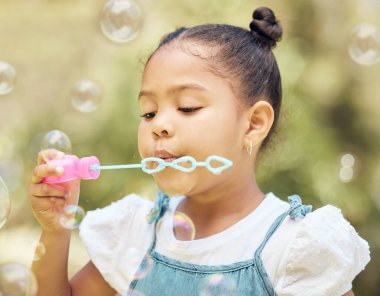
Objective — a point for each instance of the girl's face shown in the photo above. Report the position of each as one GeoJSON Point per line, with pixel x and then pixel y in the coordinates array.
{"type": "Point", "coordinates": [188, 111]}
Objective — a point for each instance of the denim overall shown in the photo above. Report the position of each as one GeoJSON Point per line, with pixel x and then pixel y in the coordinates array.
{"type": "Point", "coordinates": [170, 277]}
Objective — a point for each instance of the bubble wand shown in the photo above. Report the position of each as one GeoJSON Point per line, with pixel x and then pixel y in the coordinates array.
{"type": "Point", "coordinates": [89, 167]}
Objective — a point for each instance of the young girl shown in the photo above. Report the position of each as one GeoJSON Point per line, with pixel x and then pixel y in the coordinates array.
{"type": "Point", "coordinates": [206, 90]}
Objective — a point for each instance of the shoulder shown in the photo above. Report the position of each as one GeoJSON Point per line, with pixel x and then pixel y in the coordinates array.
{"type": "Point", "coordinates": [109, 232]}
{"type": "Point", "coordinates": [323, 251]}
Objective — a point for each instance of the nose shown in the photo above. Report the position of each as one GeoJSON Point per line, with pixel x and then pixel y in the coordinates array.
{"type": "Point", "coordinates": [162, 127]}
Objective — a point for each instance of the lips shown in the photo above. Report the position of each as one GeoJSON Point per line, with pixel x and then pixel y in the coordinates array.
{"type": "Point", "coordinates": [164, 154]}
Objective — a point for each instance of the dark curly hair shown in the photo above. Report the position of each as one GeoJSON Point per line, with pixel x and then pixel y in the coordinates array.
{"type": "Point", "coordinates": [244, 55]}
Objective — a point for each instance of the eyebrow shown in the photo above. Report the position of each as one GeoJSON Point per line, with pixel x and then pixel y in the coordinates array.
{"type": "Point", "coordinates": [177, 88]}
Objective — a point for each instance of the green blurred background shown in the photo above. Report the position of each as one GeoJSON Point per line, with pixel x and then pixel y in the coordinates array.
{"type": "Point", "coordinates": [331, 106]}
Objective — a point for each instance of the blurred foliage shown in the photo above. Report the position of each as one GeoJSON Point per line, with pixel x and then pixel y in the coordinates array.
{"type": "Point", "coordinates": [331, 104]}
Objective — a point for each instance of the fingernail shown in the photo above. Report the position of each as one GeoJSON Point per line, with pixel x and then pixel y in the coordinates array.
{"type": "Point", "coordinates": [68, 194]}
{"type": "Point", "coordinates": [59, 169]}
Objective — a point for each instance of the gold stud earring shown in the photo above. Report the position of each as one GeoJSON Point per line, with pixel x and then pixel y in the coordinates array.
{"type": "Point", "coordinates": [249, 148]}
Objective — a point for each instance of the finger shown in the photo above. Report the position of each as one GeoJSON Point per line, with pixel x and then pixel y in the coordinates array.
{"type": "Point", "coordinates": [45, 204]}
{"type": "Point", "coordinates": [73, 189]}
{"type": "Point", "coordinates": [44, 170]}
{"type": "Point", "coordinates": [46, 190]}
{"type": "Point", "coordinates": [45, 156]}
{"type": "Point", "coordinates": [58, 204]}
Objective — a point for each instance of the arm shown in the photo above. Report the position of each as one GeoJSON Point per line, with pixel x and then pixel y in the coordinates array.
{"type": "Point", "coordinates": [89, 281]}
{"type": "Point", "coordinates": [51, 269]}
{"type": "Point", "coordinates": [51, 272]}
{"type": "Point", "coordinates": [48, 202]}
{"type": "Point", "coordinates": [349, 293]}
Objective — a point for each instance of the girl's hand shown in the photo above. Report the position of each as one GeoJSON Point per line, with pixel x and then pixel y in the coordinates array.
{"type": "Point", "coordinates": [49, 200]}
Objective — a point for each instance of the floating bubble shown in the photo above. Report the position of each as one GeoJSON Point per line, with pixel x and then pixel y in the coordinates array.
{"type": "Point", "coordinates": [7, 78]}
{"type": "Point", "coordinates": [16, 279]}
{"type": "Point", "coordinates": [57, 140]}
{"type": "Point", "coordinates": [183, 226]}
{"type": "Point", "coordinates": [346, 174]}
{"type": "Point", "coordinates": [364, 48]}
{"type": "Point", "coordinates": [39, 252]}
{"type": "Point", "coordinates": [145, 268]}
{"type": "Point", "coordinates": [85, 96]}
{"type": "Point", "coordinates": [347, 160]}
{"type": "Point", "coordinates": [135, 263]}
{"type": "Point", "coordinates": [5, 203]}
{"type": "Point", "coordinates": [121, 20]}
{"type": "Point", "coordinates": [71, 217]}
{"type": "Point", "coordinates": [218, 285]}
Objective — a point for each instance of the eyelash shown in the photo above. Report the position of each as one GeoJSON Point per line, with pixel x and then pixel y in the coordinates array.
{"type": "Point", "coordinates": [150, 115]}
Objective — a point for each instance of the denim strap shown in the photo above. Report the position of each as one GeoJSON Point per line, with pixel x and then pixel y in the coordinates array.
{"type": "Point", "coordinates": [296, 211]}
{"type": "Point", "coordinates": [155, 214]}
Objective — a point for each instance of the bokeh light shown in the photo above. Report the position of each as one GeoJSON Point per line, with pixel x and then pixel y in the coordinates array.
{"type": "Point", "coordinates": [218, 285]}
{"type": "Point", "coordinates": [347, 160]}
{"type": "Point", "coordinates": [7, 78]}
{"type": "Point", "coordinates": [85, 96]}
{"type": "Point", "coordinates": [346, 172]}
{"type": "Point", "coordinates": [364, 48]}
{"type": "Point", "coordinates": [39, 252]}
{"type": "Point", "coordinates": [71, 216]}
{"type": "Point", "coordinates": [183, 226]}
{"type": "Point", "coordinates": [17, 280]}
{"type": "Point", "coordinates": [57, 140]}
{"type": "Point", "coordinates": [121, 20]}
{"type": "Point", "coordinates": [5, 203]}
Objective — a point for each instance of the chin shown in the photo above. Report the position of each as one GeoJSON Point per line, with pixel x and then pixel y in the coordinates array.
{"type": "Point", "coordinates": [174, 191]}
{"type": "Point", "coordinates": [174, 188]}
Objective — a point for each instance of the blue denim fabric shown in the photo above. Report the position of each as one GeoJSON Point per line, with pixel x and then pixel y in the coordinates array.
{"type": "Point", "coordinates": [175, 278]}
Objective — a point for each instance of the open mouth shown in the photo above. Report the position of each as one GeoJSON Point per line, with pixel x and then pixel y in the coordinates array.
{"type": "Point", "coordinates": [169, 159]}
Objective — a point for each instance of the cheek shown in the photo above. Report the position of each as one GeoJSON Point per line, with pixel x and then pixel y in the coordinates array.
{"type": "Point", "coordinates": [142, 141]}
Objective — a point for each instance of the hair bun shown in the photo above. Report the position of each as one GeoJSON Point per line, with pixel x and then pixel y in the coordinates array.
{"type": "Point", "coordinates": [265, 26]}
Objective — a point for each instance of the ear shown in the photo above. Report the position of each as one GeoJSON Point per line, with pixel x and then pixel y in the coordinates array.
{"type": "Point", "coordinates": [260, 119]}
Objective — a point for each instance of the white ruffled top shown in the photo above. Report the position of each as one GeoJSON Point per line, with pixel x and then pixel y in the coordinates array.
{"type": "Point", "coordinates": [319, 255]}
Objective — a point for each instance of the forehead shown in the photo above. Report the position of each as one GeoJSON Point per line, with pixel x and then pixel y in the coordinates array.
{"type": "Point", "coordinates": [177, 63]}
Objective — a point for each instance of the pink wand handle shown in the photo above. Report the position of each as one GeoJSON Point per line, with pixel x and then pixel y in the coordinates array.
{"type": "Point", "coordinates": [74, 168]}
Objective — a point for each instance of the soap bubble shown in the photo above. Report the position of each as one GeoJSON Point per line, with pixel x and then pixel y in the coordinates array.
{"type": "Point", "coordinates": [85, 96]}
{"type": "Point", "coordinates": [121, 20]}
{"type": "Point", "coordinates": [7, 78]}
{"type": "Point", "coordinates": [5, 203]}
{"type": "Point", "coordinates": [57, 140]}
{"type": "Point", "coordinates": [364, 48]}
{"type": "Point", "coordinates": [183, 226]}
{"type": "Point", "coordinates": [16, 279]}
{"type": "Point", "coordinates": [144, 269]}
{"type": "Point", "coordinates": [218, 285]}
{"type": "Point", "coordinates": [71, 217]}
{"type": "Point", "coordinates": [130, 263]}
{"type": "Point", "coordinates": [39, 252]}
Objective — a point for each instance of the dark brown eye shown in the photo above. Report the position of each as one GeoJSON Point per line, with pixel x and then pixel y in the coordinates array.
{"type": "Point", "coordinates": [148, 115]}
{"type": "Point", "coordinates": [189, 109]}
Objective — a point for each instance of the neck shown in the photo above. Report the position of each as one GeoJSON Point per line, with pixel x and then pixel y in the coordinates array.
{"type": "Point", "coordinates": [219, 208]}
